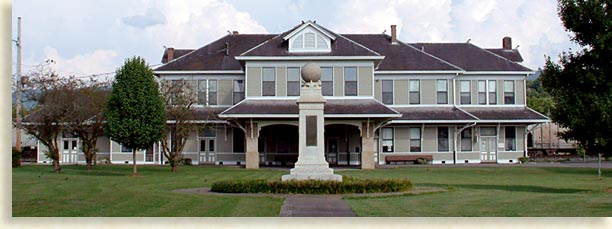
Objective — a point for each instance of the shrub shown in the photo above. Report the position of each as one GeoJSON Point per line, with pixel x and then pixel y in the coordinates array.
{"type": "Point", "coordinates": [186, 161]}
{"type": "Point", "coordinates": [523, 159]}
{"type": "Point", "coordinates": [349, 185]}
{"type": "Point", "coordinates": [421, 161]}
{"type": "Point", "coordinates": [16, 158]}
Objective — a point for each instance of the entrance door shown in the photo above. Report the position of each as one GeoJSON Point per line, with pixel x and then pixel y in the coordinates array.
{"type": "Point", "coordinates": [207, 151]}
{"type": "Point", "coordinates": [69, 150]}
{"type": "Point", "coordinates": [332, 151]}
{"type": "Point", "coordinates": [488, 152]}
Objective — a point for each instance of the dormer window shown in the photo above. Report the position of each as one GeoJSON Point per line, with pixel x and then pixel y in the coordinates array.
{"type": "Point", "coordinates": [309, 38]}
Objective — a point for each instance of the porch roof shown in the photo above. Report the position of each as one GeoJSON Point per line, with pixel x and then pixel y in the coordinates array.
{"type": "Point", "coordinates": [507, 114]}
{"type": "Point", "coordinates": [288, 108]}
{"type": "Point", "coordinates": [433, 114]}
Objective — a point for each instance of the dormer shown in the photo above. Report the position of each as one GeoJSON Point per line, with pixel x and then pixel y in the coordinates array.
{"type": "Point", "coordinates": [309, 38]}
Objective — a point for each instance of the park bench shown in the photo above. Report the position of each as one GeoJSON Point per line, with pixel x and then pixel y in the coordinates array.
{"type": "Point", "coordinates": [406, 158]}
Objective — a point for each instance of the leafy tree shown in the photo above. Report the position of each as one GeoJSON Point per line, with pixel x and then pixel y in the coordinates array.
{"type": "Point", "coordinates": [87, 116]}
{"type": "Point", "coordinates": [50, 95]}
{"type": "Point", "coordinates": [537, 98]}
{"type": "Point", "coordinates": [180, 98]}
{"type": "Point", "coordinates": [581, 82]}
{"type": "Point", "coordinates": [135, 115]}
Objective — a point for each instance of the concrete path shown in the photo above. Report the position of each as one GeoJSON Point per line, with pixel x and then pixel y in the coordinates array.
{"type": "Point", "coordinates": [316, 206]}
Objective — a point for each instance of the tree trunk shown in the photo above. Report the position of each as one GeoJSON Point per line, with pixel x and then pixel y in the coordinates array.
{"type": "Point", "coordinates": [599, 165]}
{"type": "Point", "coordinates": [56, 164]}
{"type": "Point", "coordinates": [174, 168]}
{"type": "Point", "coordinates": [134, 161]}
{"type": "Point", "coordinates": [88, 160]}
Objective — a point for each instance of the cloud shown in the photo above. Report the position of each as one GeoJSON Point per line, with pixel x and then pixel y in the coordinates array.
{"type": "Point", "coordinates": [96, 62]}
{"type": "Point", "coordinates": [150, 18]}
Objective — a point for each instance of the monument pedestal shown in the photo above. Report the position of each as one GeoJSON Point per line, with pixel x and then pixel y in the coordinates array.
{"type": "Point", "coordinates": [311, 164]}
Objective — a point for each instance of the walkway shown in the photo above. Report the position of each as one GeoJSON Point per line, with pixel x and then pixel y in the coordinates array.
{"type": "Point", "coordinates": [316, 206]}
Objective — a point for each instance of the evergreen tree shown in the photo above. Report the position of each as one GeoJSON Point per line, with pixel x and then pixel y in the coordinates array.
{"type": "Point", "coordinates": [135, 116]}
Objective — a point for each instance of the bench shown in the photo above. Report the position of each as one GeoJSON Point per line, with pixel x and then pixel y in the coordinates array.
{"type": "Point", "coordinates": [406, 158]}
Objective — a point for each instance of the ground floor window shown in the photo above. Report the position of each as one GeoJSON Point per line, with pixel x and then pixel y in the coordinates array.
{"type": "Point", "coordinates": [466, 140]}
{"type": "Point", "coordinates": [126, 149]}
{"type": "Point", "coordinates": [415, 139]}
{"type": "Point", "coordinates": [510, 138]}
{"type": "Point", "coordinates": [443, 139]}
{"type": "Point", "coordinates": [239, 140]}
{"type": "Point", "coordinates": [387, 139]}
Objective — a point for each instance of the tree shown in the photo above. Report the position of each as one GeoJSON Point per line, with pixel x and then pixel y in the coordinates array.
{"type": "Point", "coordinates": [581, 82]}
{"type": "Point", "coordinates": [537, 98]}
{"type": "Point", "coordinates": [87, 116]}
{"type": "Point", "coordinates": [50, 95]}
{"type": "Point", "coordinates": [135, 115]}
{"type": "Point", "coordinates": [179, 98]}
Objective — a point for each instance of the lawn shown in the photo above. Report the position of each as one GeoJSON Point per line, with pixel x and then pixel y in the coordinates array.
{"type": "Point", "coordinates": [483, 191]}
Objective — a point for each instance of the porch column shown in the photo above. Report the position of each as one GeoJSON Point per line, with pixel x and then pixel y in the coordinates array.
{"type": "Point", "coordinates": [367, 145]}
{"type": "Point", "coordinates": [252, 146]}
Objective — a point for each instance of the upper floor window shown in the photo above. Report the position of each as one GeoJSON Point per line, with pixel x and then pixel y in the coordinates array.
{"type": "Point", "coordinates": [309, 42]}
{"type": "Point", "coordinates": [269, 82]}
{"type": "Point", "coordinates": [350, 81]}
{"type": "Point", "coordinates": [207, 92]}
{"type": "Point", "coordinates": [465, 92]}
{"type": "Point", "coordinates": [442, 88]}
{"type": "Point", "coordinates": [327, 81]}
{"type": "Point", "coordinates": [387, 91]}
{"type": "Point", "coordinates": [238, 91]}
{"type": "Point", "coordinates": [509, 92]}
{"type": "Point", "coordinates": [482, 92]}
{"type": "Point", "coordinates": [293, 81]}
{"type": "Point", "coordinates": [492, 92]}
{"type": "Point", "coordinates": [415, 92]}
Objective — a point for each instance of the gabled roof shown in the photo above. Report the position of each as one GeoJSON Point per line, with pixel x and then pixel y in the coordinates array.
{"type": "Point", "coordinates": [213, 56]}
{"type": "Point", "coordinates": [309, 24]}
{"type": "Point", "coordinates": [510, 54]}
{"type": "Point", "coordinates": [470, 57]}
{"type": "Point", "coordinates": [342, 46]}
{"type": "Point", "coordinates": [400, 56]}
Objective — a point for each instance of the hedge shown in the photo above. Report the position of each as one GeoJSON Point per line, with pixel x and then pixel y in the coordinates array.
{"type": "Point", "coordinates": [349, 185]}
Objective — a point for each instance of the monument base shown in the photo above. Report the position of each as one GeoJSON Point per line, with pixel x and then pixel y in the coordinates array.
{"type": "Point", "coordinates": [312, 172]}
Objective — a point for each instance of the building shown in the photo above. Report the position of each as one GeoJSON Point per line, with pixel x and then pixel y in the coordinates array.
{"type": "Point", "coordinates": [455, 102]}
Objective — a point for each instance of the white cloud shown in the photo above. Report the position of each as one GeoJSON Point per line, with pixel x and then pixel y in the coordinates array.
{"type": "Point", "coordinates": [96, 62]}
{"type": "Point", "coordinates": [151, 17]}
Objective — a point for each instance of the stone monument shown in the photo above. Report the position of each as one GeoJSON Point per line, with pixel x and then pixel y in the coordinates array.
{"type": "Point", "coordinates": [311, 162]}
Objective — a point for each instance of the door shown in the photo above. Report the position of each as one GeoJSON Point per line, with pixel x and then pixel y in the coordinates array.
{"type": "Point", "coordinates": [488, 146]}
{"type": "Point", "coordinates": [332, 151]}
{"type": "Point", "coordinates": [207, 151]}
{"type": "Point", "coordinates": [69, 150]}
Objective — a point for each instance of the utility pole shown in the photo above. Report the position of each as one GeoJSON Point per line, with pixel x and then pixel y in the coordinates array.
{"type": "Point", "coordinates": [18, 95]}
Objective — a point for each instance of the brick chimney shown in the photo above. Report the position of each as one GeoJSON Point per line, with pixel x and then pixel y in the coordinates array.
{"type": "Point", "coordinates": [234, 32]}
{"type": "Point", "coordinates": [507, 43]}
{"type": "Point", "coordinates": [169, 54]}
{"type": "Point", "coordinates": [393, 34]}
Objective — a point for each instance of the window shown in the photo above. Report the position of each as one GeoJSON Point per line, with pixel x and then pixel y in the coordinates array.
{"type": "Point", "coordinates": [239, 140]}
{"type": "Point", "coordinates": [207, 92]}
{"type": "Point", "coordinates": [387, 139]}
{"type": "Point", "coordinates": [482, 92]}
{"type": "Point", "coordinates": [350, 81]}
{"type": "Point", "coordinates": [508, 92]}
{"type": "Point", "coordinates": [176, 87]}
{"type": "Point", "coordinates": [293, 81]}
{"type": "Point", "coordinates": [415, 139]}
{"type": "Point", "coordinates": [387, 91]}
{"type": "Point", "coordinates": [269, 82]}
{"type": "Point", "coordinates": [126, 149]}
{"type": "Point", "coordinates": [212, 92]}
{"type": "Point", "coordinates": [510, 138]}
{"type": "Point", "coordinates": [238, 91]}
{"type": "Point", "coordinates": [488, 131]}
{"type": "Point", "coordinates": [492, 92]}
{"type": "Point", "coordinates": [442, 88]}
{"type": "Point", "coordinates": [466, 140]}
{"type": "Point", "coordinates": [311, 42]}
{"type": "Point", "coordinates": [66, 146]}
{"type": "Point", "coordinates": [465, 92]}
{"type": "Point", "coordinates": [443, 139]}
{"type": "Point", "coordinates": [327, 81]}
{"type": "Point", "coordinates": [208, 132]}
{"type": "Point", "coordinates": [415, 92]}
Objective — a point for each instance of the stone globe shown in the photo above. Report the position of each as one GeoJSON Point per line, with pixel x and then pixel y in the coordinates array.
{"type": "Point", "coordinates": [311, 72]}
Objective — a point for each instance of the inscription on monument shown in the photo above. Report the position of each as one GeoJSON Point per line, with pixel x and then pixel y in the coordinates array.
{"type": "Point", "coordinates": [311, 130]}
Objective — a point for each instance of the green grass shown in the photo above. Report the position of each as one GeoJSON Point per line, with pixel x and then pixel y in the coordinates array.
{"type": "Point", "coordinates": [487, 191]}
{"type": "Point", "coordinates": [505, 191]}
{"type": "Point", "coordinates": [109, 191]}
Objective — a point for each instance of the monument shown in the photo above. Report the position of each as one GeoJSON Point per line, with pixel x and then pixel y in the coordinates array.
{"type": "Point", "coordinates": [311, 162]}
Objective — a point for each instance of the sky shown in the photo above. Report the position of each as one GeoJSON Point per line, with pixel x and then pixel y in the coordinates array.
{"type": "Point", "coordinates": [94, 37]}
